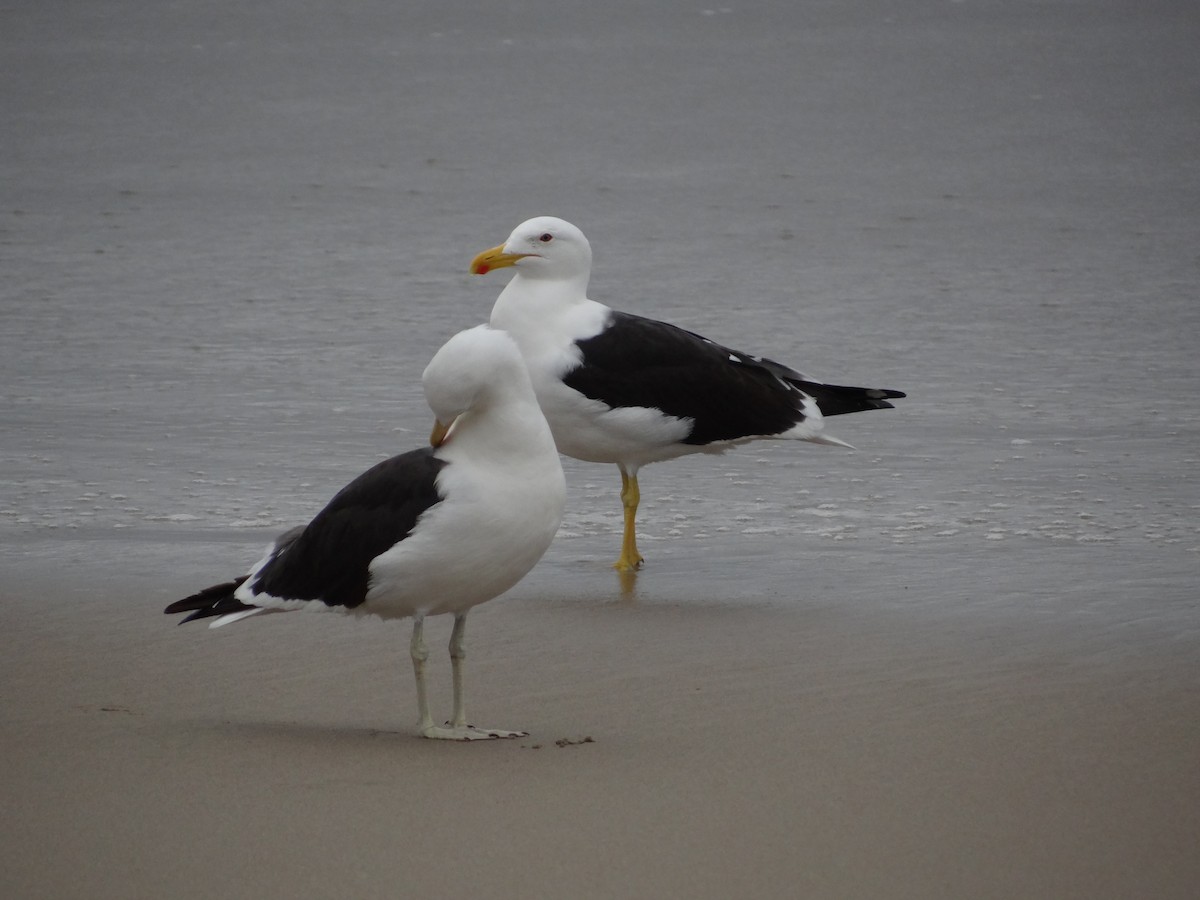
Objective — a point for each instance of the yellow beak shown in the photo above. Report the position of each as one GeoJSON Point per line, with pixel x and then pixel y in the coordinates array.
{"type": "Point", "coordinates": [440, 433]}
{"type": "Point", "coordinates": [494, 258]}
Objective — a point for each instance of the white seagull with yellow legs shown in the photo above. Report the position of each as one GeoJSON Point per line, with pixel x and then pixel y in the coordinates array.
{"type": "Point", "coordinates": [432, 531]}
{"type": "Point", "coordinates": [620, 388]}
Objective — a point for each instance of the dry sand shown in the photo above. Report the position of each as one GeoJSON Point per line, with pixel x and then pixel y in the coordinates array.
{"type": "Point", "coordinates": [961, 662]}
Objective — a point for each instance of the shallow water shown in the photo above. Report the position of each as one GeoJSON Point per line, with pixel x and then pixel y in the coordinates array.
{"type": "Point", "coordinates": [217, 304]}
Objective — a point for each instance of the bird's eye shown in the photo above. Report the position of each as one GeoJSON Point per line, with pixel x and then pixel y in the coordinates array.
{"type": "Point", "coordinates": [546, 238]}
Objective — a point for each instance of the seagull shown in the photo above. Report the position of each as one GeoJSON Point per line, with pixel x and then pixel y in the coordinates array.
{"type": "Point", "coordinates": [620, 388]}
{"type": "Point", "coordinates": [436, 530]}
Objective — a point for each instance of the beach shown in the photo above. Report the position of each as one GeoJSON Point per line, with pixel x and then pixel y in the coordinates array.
{"type": "Point", "coordinates": [958, 661]}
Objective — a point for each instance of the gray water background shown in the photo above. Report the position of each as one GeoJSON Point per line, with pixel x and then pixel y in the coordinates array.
{"type": "Point", "coordinates": [231, 237]}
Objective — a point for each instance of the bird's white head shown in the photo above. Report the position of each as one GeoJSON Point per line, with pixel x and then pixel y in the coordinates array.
{"type": "Point", "coordinates": [472, 368]}
{"type": "Point", "coordinates": [543, 247]}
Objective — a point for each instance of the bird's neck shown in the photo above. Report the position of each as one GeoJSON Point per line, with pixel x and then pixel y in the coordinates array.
{"type": "Point", "coordinates": [511, 433]}
{"type": "Point", "coordinates": [530, 305]}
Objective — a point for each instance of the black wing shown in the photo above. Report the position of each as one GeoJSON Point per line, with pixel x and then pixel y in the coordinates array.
{"type": "Point", "coordinates": [728, 395]}
{"type": "Point", "coordinates": [329, 559]}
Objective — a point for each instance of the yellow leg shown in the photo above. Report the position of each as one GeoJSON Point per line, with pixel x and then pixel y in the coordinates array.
{"type": "Point", "coordinates": [630, 560]}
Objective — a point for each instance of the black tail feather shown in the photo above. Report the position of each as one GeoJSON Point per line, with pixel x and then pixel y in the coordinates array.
{"type": "Point", "coordinates": [217, 600]}
{"type": "Point", "coordinates": [837, 400]}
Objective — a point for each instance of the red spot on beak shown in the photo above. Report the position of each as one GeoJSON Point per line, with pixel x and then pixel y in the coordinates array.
{"type": "Point", "coordinates": [482, 270]}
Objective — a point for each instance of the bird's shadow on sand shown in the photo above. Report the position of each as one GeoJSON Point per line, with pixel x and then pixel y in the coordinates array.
{"type": "Point", "coordinates": [319, 742]}
{"type": "Point", "coordinates": [317, 734]}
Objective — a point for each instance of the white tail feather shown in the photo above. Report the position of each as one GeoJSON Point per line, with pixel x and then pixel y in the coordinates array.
{"type": "Point", "coordinates": [229, 618]}
{"type": "Point", "coordinates": [830, 440]}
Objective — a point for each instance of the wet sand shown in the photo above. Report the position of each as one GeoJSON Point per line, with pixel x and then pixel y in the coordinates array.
{"type": "Point", "coordinates": [959, 662]}
{"type": "Point", "coordinates": [694, 740]}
